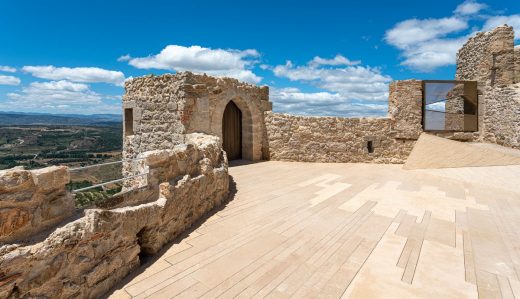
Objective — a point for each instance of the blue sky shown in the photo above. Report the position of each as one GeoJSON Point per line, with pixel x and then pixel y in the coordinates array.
{"type": "Point", "coordinates": [319, 58]}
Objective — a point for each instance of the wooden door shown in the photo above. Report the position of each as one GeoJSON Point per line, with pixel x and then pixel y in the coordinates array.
{"type": "Point", "coordinates": [232, 131]}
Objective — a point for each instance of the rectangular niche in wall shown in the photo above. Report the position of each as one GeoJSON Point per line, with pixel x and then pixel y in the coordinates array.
{"type": "Point", "coordinates": [370, 147]}
{"type": "Point", "coordinates": [450, 106]}
{"type": "Point", "coordinates": [129, 121]}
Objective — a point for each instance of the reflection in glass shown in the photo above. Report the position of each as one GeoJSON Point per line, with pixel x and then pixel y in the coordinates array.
{"type": "Point", "coordinates": [450, 106]}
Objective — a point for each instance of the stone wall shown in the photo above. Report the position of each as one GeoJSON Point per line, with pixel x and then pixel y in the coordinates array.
{"type": "Point", "coordinates": [32, 201]}
{"type": "Point", "coordinates": [488, 57]}
{"type": "Point", "coordinates": [333, 139]}
{"type": "Point", "coordinates": [405, 108]}
{"type": "Point", "coordinates": [500, 109]}
{"type": "Point", "coordinates": [167, 107]}
{"type": "Point", "coordinates": [517, 64]}
{"type": "Point", "coordinates": [336, 139]}
{"type": "Point", "coordinates": [85, 258]}
{"type": "Point", "coordinates": [492, 59]}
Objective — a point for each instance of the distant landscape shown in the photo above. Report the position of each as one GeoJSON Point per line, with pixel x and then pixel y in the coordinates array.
{"type": "Point", "coordinates": [21, 118]}
{"type": "Point", "coordinates": [40, 140]}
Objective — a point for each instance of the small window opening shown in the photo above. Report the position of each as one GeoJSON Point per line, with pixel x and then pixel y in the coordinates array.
{"type": "Point", "coordinates": [370, 147]}
{"type": "Point", "coordinates": [129, 121]}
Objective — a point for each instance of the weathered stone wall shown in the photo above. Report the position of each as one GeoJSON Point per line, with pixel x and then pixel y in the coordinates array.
{"type": "Point", "coordinates": [405, 108]}
{"type": "Point", "coordinates": [517, 64]}
{"type": "Point", "coordinates": [336, 139]}
{"type": "Point", "coordinates": [333, 139]}
{"type": "Point", "coordinates": [85, 258]}
{"type": "Point", "coordinates": [488, 57]}
{"type": "Point", "coordinates": [169, 106]}
{"type": "Point", "coordinates": [31, 201]}
{"type": "Point", "coordinates": [492, 59]}
{"type": "Point", "coordinates": [500, 109]}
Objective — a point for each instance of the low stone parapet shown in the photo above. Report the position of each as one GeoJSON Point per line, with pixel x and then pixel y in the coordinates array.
{"type": "Point", "coordinates": [334, 139]}
{"type": "Point", "coordinates": [32, 201]}
{"type": "Point", "coordinates": [85, 258]}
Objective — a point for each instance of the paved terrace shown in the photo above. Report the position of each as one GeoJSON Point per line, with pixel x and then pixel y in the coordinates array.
{"type": "Point", "coordinates": [348, 230]}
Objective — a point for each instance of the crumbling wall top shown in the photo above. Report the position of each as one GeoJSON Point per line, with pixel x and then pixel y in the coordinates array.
{"type": "Point", "coordinates": [488, 57]}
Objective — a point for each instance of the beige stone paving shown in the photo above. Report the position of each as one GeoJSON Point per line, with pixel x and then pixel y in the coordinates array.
{"type": "Point", "coordinates": [432, 152]}
{"type": "Point", "coordinates": [305, 230]}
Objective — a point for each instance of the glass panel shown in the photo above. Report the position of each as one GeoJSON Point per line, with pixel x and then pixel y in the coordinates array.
{"type": "Point", "coordinates": [450, 106]}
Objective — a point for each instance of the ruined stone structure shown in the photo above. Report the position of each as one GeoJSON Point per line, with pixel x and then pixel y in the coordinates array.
{"type": "Point", "coordinates": [488, 58]}
{"type": "Point", "coordinates": [186, 102]}
{"type": "Point", "coordinates": [165, 108]}
{"type": "Point", "coordinates": [86, 257]}
{"type": "Point", "coordinates": [177, 125]}
{"type": "Point", "coordinates": [491, 59]}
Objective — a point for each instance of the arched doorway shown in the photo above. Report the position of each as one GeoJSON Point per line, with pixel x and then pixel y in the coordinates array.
{"type": "Point", "coordinates": [232, 131]}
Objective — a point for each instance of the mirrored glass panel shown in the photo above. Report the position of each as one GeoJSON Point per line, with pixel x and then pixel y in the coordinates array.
{"type": "Point", "coordinates": [450, 106]}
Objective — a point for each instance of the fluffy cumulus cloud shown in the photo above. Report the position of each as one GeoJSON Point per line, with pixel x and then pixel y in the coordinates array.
{"type": "Point", "coordinates": [216, 62]}
{"type": "Point", "coordinates": [423, 43]}
{"type": "Point", "coordinates": [408, 33]}
{"type": "Point", "coordinates": [5, 68]}
{"type": "Point", "coordinates": [294, 101]}
{"type": "Point", "coordinates": [76, 74]}
{"type": "Point", "coordinates": [9, 80]}
{"type": "Point", "coordinates": [427, 44]}
{"type": "Point", "coordinates": [345, 88]}
{"type": "Point", "coordinates": [469, 8]}
{"type": "Point", "coordinates": [59, 97]}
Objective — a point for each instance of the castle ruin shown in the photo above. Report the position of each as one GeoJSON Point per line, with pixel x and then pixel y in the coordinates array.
{"type": "Point", "coordinates": [183, 128]}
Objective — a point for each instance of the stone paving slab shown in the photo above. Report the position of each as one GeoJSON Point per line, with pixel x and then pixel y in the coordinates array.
{"type": "Point", "coordinates": [305, 230]}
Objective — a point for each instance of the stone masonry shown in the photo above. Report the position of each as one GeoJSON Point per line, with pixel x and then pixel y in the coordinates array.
{"type": "Point", "coordinates": [31, 201]}
{"type": "Point", "coordinates": [167, 107]}
{"type": "Point", "coordinates": [501, 115]}
{"type": "Point", "coordinates": [491, 59]}
{"type": "Point", "coordinates": [405, 108]}
{"type": "Point", "coordinates": [173, 126]}
{"type": "Point", "coordinates": [488, 58]}
{"type": "Point", "coordinates": [334, 139]}
{"type": "Point", "coordinates": [86, 257]}
{"type": "Point", "coordinates": [517, 64]}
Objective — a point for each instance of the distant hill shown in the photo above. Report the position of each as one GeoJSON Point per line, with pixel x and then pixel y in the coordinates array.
{"type": "Point", "coordinates": [20, 118]}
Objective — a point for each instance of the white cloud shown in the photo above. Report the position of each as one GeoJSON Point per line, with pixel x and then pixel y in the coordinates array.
{"type": "Point", "coordinates": [76, 74]}
{"type": "Point", "coordinates": [469, 7]}
{"type": "Point", "coordinates": [124, 58]}
{"type": "Point", "coordinates": [216, 62]}
{"type": "Point", "coordinates": [58, 86]}
{"type": "Point", "coordinates": [58, 96]}
{"type": "Point", "coordinates": [9, 80]}
{"type": "Point", "coordinates": [407, 34]}
{"type": "Point", "coordinates": [428, 44]}
{"type": "Point", "coordinates": [512, 20]}
{"type": "Point", "coordinates": [433, 54]}
{"type": "Point", "coordinates": [294, 101]}
{"type": "Point", "coordinates": [351, 82]}
{"type": "Point", "coordinates": [337, 60]}
{"type": "Point", "coordinates": [5, 68]}
{"type": "Point", "coordinates": [345, 89]}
